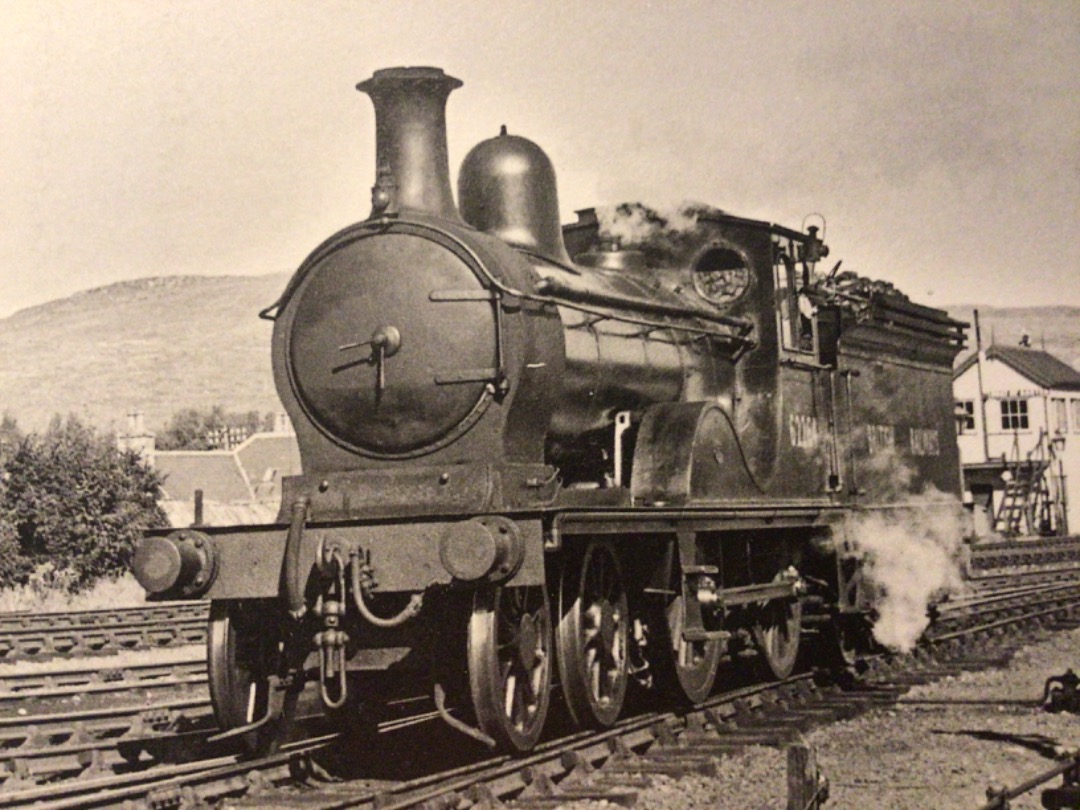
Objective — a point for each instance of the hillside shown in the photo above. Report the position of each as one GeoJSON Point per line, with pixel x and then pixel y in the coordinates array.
{"type": "Point", "coordinates": [155, 345]}
{"type": "Point", "coordinates": [162, 344]}
{"type": "Point", "coordinates": [1056, 328]}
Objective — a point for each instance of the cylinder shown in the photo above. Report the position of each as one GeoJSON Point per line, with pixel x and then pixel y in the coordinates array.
{"type": "Point", "coordinates": [410, 141]}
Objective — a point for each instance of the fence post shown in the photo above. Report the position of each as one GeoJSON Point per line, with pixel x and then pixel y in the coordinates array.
{"type": "Point", "coordinates": [802, 777]}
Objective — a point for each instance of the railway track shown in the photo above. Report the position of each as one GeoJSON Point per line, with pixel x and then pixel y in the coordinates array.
{"type": "Point", "coordinates": [109, 758]}
{"type": "Point", "coordinates": [1003, 602]}
{"type": "Point", "coordinates": [1010, 557]}
{"type": "Point", "coordinates": [49, 748]}
{"type": "Point", "coordinates": [607, 765]}
{"type": "Point", "coordinates": [21, 689]}
{"type": "Point", "coordinates": [28, 636]}
{"type": "Point", "coordinates": [66, 620]}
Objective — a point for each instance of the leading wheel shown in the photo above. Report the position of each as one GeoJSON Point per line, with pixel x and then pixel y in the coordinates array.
{"type": "Point", "coordinates": [510, 663]}
{"type": "Point", "coordinates": [592, 636]}
{"type": "Point", "coordinates": [242, 652]}
{"type": "Point", "coordinates": [776, 635]}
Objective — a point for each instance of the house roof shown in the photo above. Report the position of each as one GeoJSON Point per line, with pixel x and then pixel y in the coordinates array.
{"type": "Point", "coordinates": [217, 473]}
{"type": "Point", "coordinates": [1040, 367]}
{"type": "Point", "coordinates": [251, 471]}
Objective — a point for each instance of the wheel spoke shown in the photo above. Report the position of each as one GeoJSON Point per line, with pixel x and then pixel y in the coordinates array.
{"type": "Point", "coordinates": [595, 678]}
{"type": "Point", "coordinates": [591, 632]}
{"type": "Point", "coordinates": [776, 634]}
{"type": "Point", "coordinates": [511, 693]}
{"type": "Point", "coordinates": [509, 674]}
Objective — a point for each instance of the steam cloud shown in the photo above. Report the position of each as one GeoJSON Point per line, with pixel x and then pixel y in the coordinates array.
{"type": "Point", "coordinates": [910, 557]}
{"type": "Point", "coordinates": [911, 553]}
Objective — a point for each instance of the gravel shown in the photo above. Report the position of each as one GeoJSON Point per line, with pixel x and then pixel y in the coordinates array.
{"type": "Point", "coordinates": [945, 755]}
{"type": "Point", "coordinates": [928, 752]}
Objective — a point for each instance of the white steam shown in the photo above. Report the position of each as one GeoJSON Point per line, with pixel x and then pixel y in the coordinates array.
{"type": "Point", "coordinates": [910, 544]}
{"type": "Point", "coordinates": [911, 556]}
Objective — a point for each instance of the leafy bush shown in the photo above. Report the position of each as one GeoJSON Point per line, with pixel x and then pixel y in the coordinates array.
{"type": "Point", "coordinates": [12, 564]}
{"type": "Point", "coordinates": [194, 429]}
{"type": "Point", "coordinates": [73, 500]}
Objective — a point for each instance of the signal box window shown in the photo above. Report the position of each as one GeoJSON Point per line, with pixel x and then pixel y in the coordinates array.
{"type": "Point", "coordinates": [1074, 406]}
{"type": "Point", "coordinates": [1014, 414]}
{"type": "Point", "coordinates": [965, 415]}
{"type": "Point", "coordinates": [1060, 415]}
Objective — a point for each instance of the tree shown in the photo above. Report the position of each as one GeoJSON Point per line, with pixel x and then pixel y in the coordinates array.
{"type": "Point", "coordinates": [75, 500]}
{"type": "Point", "coordinates": [11, 562]}
{"type": "Point", "coordinates": [194, 429]}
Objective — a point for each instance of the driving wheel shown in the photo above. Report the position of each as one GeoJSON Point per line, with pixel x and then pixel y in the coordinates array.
{"type": "Point", "coordinates": [776, 636]}
{"type": "Point", "coordinates": [592, 636]}
{"type": "Point", "coordinates": [686, 669]}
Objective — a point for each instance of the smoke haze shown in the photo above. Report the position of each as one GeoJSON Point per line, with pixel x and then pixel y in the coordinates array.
{"type": "Point", "coordinates": [638, 223]}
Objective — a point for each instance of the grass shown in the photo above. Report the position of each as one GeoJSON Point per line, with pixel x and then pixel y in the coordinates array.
{"type": "Point", "coordinates": [45, 594]}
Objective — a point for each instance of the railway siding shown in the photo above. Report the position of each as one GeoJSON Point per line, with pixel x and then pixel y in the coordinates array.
{"type": "Point", "coordinates": [948, 740]}
{"type": "Point", "coordinates": [645, 759]}
{"type": "Point", "coordinates": [49, 635]}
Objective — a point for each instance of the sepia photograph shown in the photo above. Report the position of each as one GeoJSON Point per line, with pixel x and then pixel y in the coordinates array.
{"type": "Point", "coordinates": [540, 405]}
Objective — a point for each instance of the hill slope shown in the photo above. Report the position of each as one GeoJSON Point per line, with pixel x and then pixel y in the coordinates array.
{"type": "Point", "coordinates": [162, 344]}
{"type": "Point", "coordinates": [155, 345]}
{"type": "Point", "coordinates": [1058, 328]}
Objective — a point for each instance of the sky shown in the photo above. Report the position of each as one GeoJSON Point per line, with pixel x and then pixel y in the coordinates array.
{"type": "Point", "coordinates": [940, 141]}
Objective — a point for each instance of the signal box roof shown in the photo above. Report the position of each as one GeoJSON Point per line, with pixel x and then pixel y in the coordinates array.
{"type": "Point", "coordinates": [1040, 367]}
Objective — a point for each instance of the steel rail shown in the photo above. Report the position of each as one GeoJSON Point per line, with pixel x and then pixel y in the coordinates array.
{"type": "Point", "coordinates": [994, 580]}
{"type": "Point", "coordinates": [109, 791]}
{"type": "Point", "coordinates": [653, 742]}
{"type": "Point", "coordinates": [43, 686]}
{"type": "Point", "coordinates": [966, 602]}
{"type": "Point", "coordinates": [81, 754]}
{"type": "Point", "coordinates": [77, 619]}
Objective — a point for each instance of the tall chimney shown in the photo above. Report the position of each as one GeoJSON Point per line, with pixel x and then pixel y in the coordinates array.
{"type": "Point", "coordinates": [411, 165]}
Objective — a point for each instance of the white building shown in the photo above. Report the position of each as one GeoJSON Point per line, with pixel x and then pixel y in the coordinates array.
{"type": "Point", "coordinates": [239, 484]}
{"type": "Point", "coordinates": [1018, 417]}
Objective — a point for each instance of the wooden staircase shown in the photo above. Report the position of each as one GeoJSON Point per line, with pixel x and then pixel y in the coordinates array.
{"type": "Point", "coordinates": [1029, 506]}
{"type": "Point", "coordinates": [1026, 503]}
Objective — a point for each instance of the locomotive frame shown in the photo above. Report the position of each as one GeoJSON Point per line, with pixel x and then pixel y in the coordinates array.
{"type": "Point", "coordinates": [522, 468]}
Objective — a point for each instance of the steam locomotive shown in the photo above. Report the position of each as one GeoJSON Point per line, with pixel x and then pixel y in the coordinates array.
{"type": "Point", "coordinates": [537, 460]}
